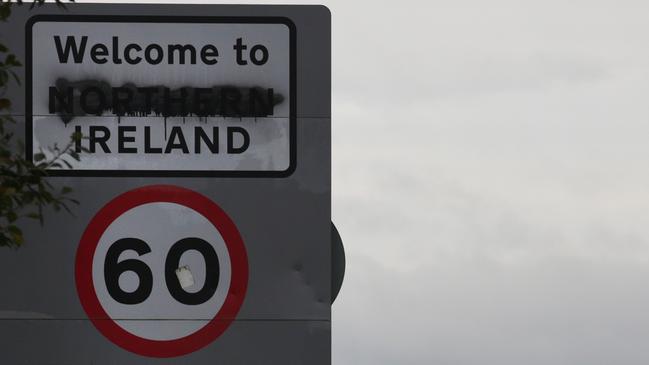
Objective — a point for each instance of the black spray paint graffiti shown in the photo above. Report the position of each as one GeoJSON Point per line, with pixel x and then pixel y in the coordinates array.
{"type": "Point", "coordinates": [95, 97]}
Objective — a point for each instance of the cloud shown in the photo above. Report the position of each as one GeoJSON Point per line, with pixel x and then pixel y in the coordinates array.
{"type": "Point", "coordinates": [557, 311]}
{"type": "Point", "coordinates": [490, 184]}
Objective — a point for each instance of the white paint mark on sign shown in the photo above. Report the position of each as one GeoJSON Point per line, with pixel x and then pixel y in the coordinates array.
{"type": "Point", "coordinates": [185, 277]}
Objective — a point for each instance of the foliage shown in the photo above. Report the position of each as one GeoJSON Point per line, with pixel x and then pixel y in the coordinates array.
{"type": "Point", "coordinates": [5, 6]}
{"type": "Point", "coordinates": [24, 189]}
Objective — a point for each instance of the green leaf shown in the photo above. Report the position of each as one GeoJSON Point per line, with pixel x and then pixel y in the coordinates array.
{"type": "Point", "coordinates": [11, 60]}
{"type": "Point", "coordinates": [16, 234]}
{"type": "Point", "coordinates": [33, 216]}
{"type": "Point", "coordinates": [5, 11]}
{"type": "Point", "coordinates": [4, 77]}
{"type": "Point", "coordinates": [76, 136]}
{"type": "Point", "coordinates": [5, 103]}
{"type": "Point", "coordinates": [25, 189]}
{"type": "Point", "coordinates": [12, 216]}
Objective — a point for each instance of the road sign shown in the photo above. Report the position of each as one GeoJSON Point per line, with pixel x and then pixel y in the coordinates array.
{"type": "Point", "coordinates": [127, 310]}
{"type": "Point", "coordinates": [203, 233]}
{"type": "Point", "coordinates": [197, 96]}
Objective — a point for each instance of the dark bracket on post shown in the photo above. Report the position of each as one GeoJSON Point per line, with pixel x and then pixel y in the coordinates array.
{"type": "Point", "coordinates": [337, 263]}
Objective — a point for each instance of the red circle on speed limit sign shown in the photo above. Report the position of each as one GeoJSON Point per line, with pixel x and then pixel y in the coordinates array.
{"type": "Point", "coordinates": [161, 271]}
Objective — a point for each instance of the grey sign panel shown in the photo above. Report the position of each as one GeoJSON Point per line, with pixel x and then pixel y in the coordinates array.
{"type": "Point", "coordinates": [181, 257]}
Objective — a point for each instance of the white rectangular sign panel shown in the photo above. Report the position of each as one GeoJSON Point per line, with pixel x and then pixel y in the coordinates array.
{"type": "Point", "coordinates": [163, 96]}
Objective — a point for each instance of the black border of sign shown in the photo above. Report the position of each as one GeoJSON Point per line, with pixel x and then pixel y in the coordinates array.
{"type": "Point", "coordinates": [166, 19]}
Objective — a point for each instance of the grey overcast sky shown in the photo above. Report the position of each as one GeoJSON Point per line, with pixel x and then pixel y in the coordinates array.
{"type": "Point", "coordinates": [490, 180]}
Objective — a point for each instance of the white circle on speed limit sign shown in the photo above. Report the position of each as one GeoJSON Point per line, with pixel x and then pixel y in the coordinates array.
{"type": "Point", "coordinates": [161, 271]}
{"type": "Point", "coordinates": [135, 276]}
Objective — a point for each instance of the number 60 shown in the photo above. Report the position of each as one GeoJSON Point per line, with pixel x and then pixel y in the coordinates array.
{"type": "Point", "coordinates": [114, 269]}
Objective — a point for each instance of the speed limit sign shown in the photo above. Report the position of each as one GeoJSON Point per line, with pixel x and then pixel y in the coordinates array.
{"type": "Point", "coordinates": [161, 271]}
